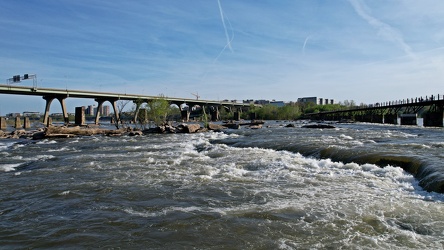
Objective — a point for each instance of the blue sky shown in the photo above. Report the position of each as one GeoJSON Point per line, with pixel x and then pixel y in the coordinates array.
{"type": "Point", "coordinates": [361, 50]}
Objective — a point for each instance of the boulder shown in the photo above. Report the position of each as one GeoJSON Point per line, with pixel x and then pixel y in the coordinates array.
{"type": "Point", "coordinates": [256, 126]}
{"type": "Point", "coordinates": [233, 126]}
{"type": "Point", "coordinates": [135, 133]}
{"type": "Point", "coordinates": [212, 126]}
{"type": "Point", "coordinates": [39, 135]}
{"type": "Point", "coordinates": [188, 128]}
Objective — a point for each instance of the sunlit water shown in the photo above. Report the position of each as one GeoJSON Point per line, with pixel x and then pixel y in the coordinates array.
{"type": "Point", "coordinates": [272, 188]}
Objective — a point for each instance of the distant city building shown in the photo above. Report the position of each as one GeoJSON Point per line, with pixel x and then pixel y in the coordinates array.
{"type": "Point", "coordinates": [29, 113]}
{"type": "Point", "coordinates": [316, 100]}
{"type": "Point", "coordinates": [277, 103]}
{"type": "Point", "coordinates": [91, 110]}
{"type": "Point", "coordinates": [105, 110]}
{"type": "Point", "coordinates": [13, 114]}
{"type": "Point", "coordinates": [262, 102]}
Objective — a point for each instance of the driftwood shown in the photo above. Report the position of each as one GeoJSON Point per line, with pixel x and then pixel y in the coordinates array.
{"type": "Point", "coordinates": [76, 131]}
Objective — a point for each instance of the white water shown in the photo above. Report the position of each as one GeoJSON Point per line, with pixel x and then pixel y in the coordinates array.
{"type": "Point", "coordinates": [183, 191]}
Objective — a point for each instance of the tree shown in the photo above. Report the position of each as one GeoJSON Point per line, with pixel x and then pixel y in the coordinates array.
{"type": "Point", "coordinates": [158, 110]}
{"type": "Point", "coordinates": [121, 104]}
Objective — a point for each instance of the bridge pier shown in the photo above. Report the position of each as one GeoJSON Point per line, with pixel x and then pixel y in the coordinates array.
{"type": "Point", "coordinates": [26, 122]}
{"type": "Point", "coordinates": [185, 115]}
{"type": "Point", "coordinates": [18, 123]}
{"type": "Point", "coordinates": [49, 100]}
{"type": "Point", "coordinates": [236, 116]}
{"type": "Point", "coordinates": [214, 113]}
{"type": "Point", "coordinates": [80, 116]}
{"type": "Point", "coordinates": [3, 123]}
{"type": "Point", "coordinates": [136, 113]}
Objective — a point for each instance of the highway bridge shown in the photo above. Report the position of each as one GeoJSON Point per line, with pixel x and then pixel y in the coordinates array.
{"type": "Point", "coordinates": [50, 94]}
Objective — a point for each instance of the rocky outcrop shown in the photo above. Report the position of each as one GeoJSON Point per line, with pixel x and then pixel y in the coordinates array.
{"type": "Point", "coordinates": [215, 127]}
{"type": "Point", "coordinates": [73, 131]}
{"type": "Point", "coordinates": [188, 128]}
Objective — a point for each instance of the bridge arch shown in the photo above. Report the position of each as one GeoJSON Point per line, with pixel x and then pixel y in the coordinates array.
{"type": "Point", "coordinates": [49, 99]}
{"type": "Point", "coordinates": [113, 102]}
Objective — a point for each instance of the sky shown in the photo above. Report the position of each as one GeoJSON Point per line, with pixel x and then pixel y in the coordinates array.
{"type": "Point", "coordinates": [367, 51]}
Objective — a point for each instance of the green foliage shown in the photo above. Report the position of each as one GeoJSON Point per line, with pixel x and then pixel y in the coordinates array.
{"type": "Point", "coordinates": [157, 110]}
{"type": "Point", "coordinates": [292, 111]}
{"type": "Point", "coordinates": [272, 112]}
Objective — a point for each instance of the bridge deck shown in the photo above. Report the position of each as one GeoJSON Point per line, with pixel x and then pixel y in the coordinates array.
{"type": "Point", "coordinates": [24, 90]}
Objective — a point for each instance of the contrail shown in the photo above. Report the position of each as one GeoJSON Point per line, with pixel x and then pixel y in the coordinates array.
{"type": "Point", "coordinates": [225, 27]}
{"type": "Point", "coordinates": [305, 43]}
{"type": "Point", "coordinates": [384, 29]}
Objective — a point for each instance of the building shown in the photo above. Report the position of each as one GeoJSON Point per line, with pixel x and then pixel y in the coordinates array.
{"type": "Point", "coordinates": [31, 113]}
{"type": "Point", "coordinates": [316, 100]}
{"type": "Point", "coordinates": [105, 110]}
{"type": "Point", "coordinates": [277, 103]}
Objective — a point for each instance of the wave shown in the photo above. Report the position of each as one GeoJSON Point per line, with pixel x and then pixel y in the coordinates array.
{"type": "Point", "coordinates": [429, 173]}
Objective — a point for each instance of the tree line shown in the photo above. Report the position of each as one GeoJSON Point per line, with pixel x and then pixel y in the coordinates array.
{"type": "Point", "coordinates": [159, 111]}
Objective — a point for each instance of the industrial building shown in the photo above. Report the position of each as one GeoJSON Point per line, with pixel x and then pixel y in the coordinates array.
{"type": "Point", "coordinates": [316, 100]}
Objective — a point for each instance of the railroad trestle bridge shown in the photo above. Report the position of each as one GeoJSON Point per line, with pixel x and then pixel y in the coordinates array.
{"type": "Point", "coordinates": [402, 113]}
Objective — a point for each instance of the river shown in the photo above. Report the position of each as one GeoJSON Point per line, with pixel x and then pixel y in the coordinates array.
{"type": "Point", "coordinates": [272, 188]}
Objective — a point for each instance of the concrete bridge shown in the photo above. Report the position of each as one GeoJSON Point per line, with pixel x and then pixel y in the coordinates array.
{"type": "Point", "coordinates": [406, 111]}
{"type": "Point", "coordinates": [49, 94]}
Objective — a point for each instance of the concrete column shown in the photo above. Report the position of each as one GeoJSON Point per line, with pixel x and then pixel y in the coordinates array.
{"type": "Point", "coordinates": [80, 116]}
{"type": "Point", "coordinates": [18, 123]}
{"type": "Point", "coordinates": [26, 123]}
{"type": "Point", "coordinates": [253, 116]}
{"type": "Point", "coordinates": [236, 116]}
{"type": "Point", "coordinates": [48, 100]}
{"type": "Point", "coordinates": [49, 122]}
{"type": "Point", "coordinates": [185, 115]}
{"type": "Point", "coordinates": [214, 114]}
{"type": "Point", "coordinates": [116, 113]}
{"type": "Point", "coordinates": [3, 123]}
{"type": "Point", "coordinates": [99, 107]}
{"type": "Point", "coordinates": [136, 113]}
